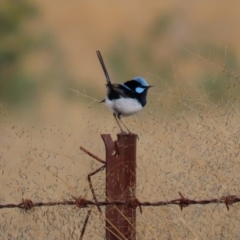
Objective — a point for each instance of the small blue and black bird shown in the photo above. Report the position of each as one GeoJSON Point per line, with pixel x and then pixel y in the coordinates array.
{"type": "Point", "coordinates": [124, 99]}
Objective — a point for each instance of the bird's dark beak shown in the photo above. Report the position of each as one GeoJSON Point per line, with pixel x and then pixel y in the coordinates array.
{"type": "Point", "coordinates": [150, 86]}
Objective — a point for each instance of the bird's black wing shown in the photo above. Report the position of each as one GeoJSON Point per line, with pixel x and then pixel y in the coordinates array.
{"type": "Point", "coordinates": [118, 90]}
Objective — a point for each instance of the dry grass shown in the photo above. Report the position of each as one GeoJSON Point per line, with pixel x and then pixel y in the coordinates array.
{"type": "Point", "coordinates": [195, 151]}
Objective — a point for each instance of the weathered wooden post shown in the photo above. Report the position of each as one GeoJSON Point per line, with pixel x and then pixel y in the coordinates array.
{"type": "Point", "coordinates": [120, 185]}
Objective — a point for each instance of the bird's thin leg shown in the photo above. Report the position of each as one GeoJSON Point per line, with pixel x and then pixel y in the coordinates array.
{"type": "Point", "coordinates": [118, 123]}
{"type": "Point", "coordinates": [124, 125]}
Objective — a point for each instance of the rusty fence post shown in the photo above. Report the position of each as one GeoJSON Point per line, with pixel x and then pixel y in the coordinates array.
{"type": "Point", "coordinates": [120, 185]}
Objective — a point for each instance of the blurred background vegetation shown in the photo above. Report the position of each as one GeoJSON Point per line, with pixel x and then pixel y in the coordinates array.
{"type": "Point", "coordinates": [16, 85]}
{"type": "Point", "coordinates": [30, 61]}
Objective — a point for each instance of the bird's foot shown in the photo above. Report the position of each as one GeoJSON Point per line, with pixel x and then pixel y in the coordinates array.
{"type": "Point", "coordinates": [123, 132]}
{"type": "Point", "coordinates": [130, 133]}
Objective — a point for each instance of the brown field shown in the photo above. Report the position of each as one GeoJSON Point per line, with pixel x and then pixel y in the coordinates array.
{"type": "Point", "coordinates": [188, 141]}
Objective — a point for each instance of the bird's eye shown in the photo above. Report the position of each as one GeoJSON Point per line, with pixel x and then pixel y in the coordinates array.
{"type": "Point", "coordinates": [139, 89]}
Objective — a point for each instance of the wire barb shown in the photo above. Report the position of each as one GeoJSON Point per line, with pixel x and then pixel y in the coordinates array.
{"type": "Point", "coordinates": [27, 204]}
{"type": "Point", "coordinates": [134, 203]}
{"type": "Point", "coordinates": [80, 202]}
{"type": "Point", "coordinates": [229, 200]}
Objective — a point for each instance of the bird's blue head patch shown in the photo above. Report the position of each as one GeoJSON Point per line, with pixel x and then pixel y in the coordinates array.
{"type": "Point", "coordinates": [142, 81]}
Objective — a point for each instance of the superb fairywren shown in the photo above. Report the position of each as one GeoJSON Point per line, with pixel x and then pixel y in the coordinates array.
{"type": "Point", "coordinates": [124, 99]}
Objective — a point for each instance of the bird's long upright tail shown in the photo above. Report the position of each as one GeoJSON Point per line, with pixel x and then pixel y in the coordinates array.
{"type": "Point", "coordinates": [104, 68]}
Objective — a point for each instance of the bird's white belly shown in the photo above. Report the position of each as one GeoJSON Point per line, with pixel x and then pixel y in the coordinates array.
{"type": "Point", "coordinates": [124, 106]}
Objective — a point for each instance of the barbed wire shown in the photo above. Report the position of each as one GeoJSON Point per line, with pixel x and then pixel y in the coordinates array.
{"type": "Point", "coordinates": [81, 202]}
